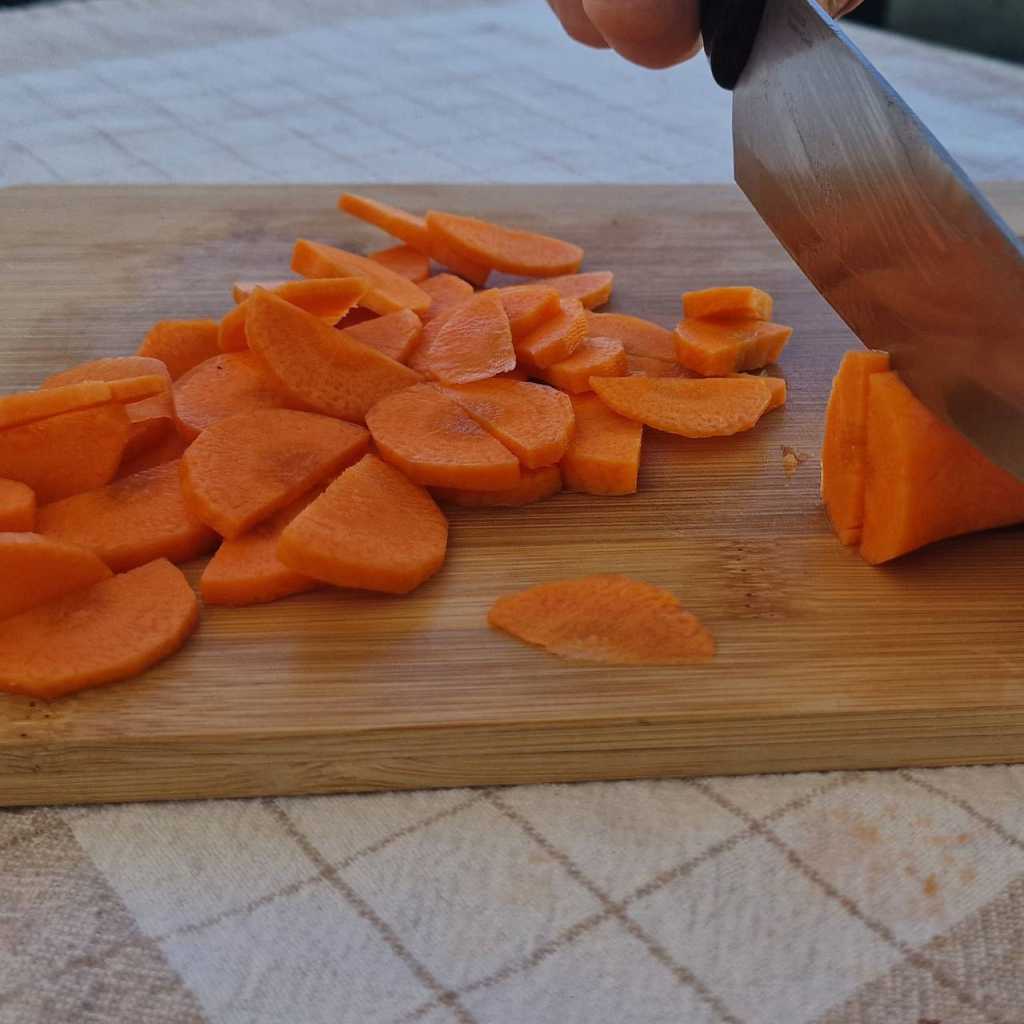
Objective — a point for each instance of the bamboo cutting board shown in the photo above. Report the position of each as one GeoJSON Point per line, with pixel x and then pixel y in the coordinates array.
{"type": "Point", "coordinates": [823, 662]}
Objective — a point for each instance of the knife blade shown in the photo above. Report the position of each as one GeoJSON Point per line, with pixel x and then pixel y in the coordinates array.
{"type": "Point", "coordinates": [877, 215]}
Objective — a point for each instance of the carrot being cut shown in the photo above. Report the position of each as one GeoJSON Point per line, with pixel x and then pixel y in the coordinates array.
{"type": "Point", "coordinates": [528, 306]}
{"type": "Point", "coordinates": [534, 485]}
{"type": "Point", "coordinates": [181, 344]}
{"type": "Point", "coordinates": [532, 421]}
{"type": "Point", "coordinates": [603, 456]}
{"type": "Point", "coordinates": [446, 291]}
{"type": "Point", "coordinates": [35, 569]}
{"type": "Point", "coordinates": [394, 334]}
{"type": "Point", "coordinates": [592, 288]}
{"type": "Point", "coordinates": [372, 529]}
{"type": "Point", "coordinates": [595, 357]}
{"type": "Point", "coordinates": [473, 343]}
{"type": "Point", "coordinates": [114, 629]}
{"type": "Point", "coordinates": [556, 338]}
{"type": "Point", "coordinates": [735, 301]}
{"type": "Point", "coordinates": [404, 260]}
{"type": "Point", "coordinates": [704, 407]}
{"type": "Point", "coordinates": [714, 348]}
{"type": "Point", "coordinates": [324, 368]}
{"type": "Point", "coordinates": [25, 407]}
{"type": "Point", "coordinates": [17, 507]}
{"type": "Point", "coordinates": [131, 521]}
{"type": "Point", "coordinates": [172, 447]}
{"type": "Point", "coordinates": [639, 337]}
{"type": "Point", "coordinates": [611, 619]}
{"type": "Point", "coordinates": [241, 470]}
{"type": "Point", "coordinates": [433, 440]}
{"type": "Point", "coordinates": [241, 290]}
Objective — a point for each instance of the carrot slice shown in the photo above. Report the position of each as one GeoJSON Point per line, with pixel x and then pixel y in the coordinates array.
{"type": "Point", "coordinates": [528, 306]}
{"type": "Point", "coordinates": [706, 407]}
{"type": "Point", "coordinates": [473, 343]}
{"type": "Point", "coordinates": [534, 485]}
{"type": "Point", "coordinates": [109, 631]}
{"type": "Point", "coordinates": [639, 337]}
{"type": "Point", "coordinates": [434, 441]}
{"type": "Point", "coordinates": [403, 260]}
{"type": "Point", "coordinates": [533, 421]}
{"type": "Point", "coordinates": [714, 348]}
{"type": "Point", "coordinates": [502, 248]}
{"type": "Point", "coordinates": [556, 338]}
{"type": "Point", "coordinates": [406, 227]}
{"type": "Point", "coordinates": [388, 291]}
{"type": "Point", "coordinates": [448, 256]}
{"type": "Point", "coordinates": [592, 288]}
{"type": "Point", "coordinates": [421, 357]}
{"type": "Point", "coordinates": [612, 619]}
{"type": "Point", "coordinates": [595, 357]}
{"type": "Point", "coordinates": [131, 521]}
{"type": "Point", "coordinates": [17, 507]}
{"type": "Point", "coordinates": [739, 301]}
{"type": "Point", "coordinates": [65, 454]}
{"type": "Point", "coordinates": [181, 344]}
{"type": "Point", "coordinates": [29, 406]}
{"type": "Point", "coordinates": [326, 369]}
{"type": "Point", "coordinates": [776, 386]}
{"type": "Point", "coordinates": [172, 447]}
{"type": "Point", "coordinates": [243, 469]}
{"type": "Point", "coordinates": [241, 290]}
{"type": "Point", "coordinates": [394, 334]}
{"type": "Point", "coordinates": [603, 456]}
{"type": "Point", "coordinates": [223, 386]}
{"type": "Point", "coordinates": [446, 291]}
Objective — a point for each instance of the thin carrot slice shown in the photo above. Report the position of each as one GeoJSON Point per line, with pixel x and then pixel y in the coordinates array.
{"type": "Point", "coordinates": [473, 343]}
{"type": "Point", "coordinates": [372, 529]}
{"type": "Point", "coordinates": [181, 344]}
{"type": "Point", "coordinates": [501, 248]}
{"type": "Point", "coordinates": [612, 619]}
{"type": "Point", "coordinates": [404, 260]}
{"type": "Point", "coordinates": [434, 441]}
{"type": "Point", "coordinates": [737, 301]}
{"type": "Point", "coordinates": [714, 348]}
{"type": "Point", "coordinates": [406, 227]}
{"type": "Point", "coordinates": [421, 357]}
{"type": "Point", "coordinates": [639, 337]}
{"type": "Point", "coordinates": [533, 421]}
{"type": "Point", "coordinates": [446, 291]}
{"type": "Point", "coordinates": [172, 447]}
{"type": "Point", "coordinates": [17, 507]}
{"type": "Point", "coordinates": [394, 334]}
{"type": "Point", "coordinates": [534, 485]}
{"type": "Point", "coordinates": [65, 454]}
{"type": "Point", "coordinates": [556, 338]}
{"type": "Point", "coordinates": [131, 521]}
{"type": "Point", "coordinates": [231, 331]}
{"type": "Point", "coordinates": [241, 290]}
{"type": "Point", "coordinates": [28, 406]}
{"type": "Point", "coordinates": [326, 369]}
{"type": "Point", "coordinates": [135, 389]}
{"type": "Point", "coordinates": [604, 454]}
{"type": "Point", "coordinates": [595, 357]}
{"type": "Point", "coordinates": [448, 256]}
{"type": "Point", "coordinates": [388, 291]}
{"type": "Point", "coordinates": [777, 387]}
{"type": "Point", "coordinates": [706, 407]}
{"type": "Point", "coordinates": [528, 306]}
{"type": "Point", "coordinates": [243, 469]}
{"type": "Point", "coordinates": [109, 631]}
{"type": "Point", "coordinates": [592, 288]}
{"type": "Point", "coordinates": [35, 569]}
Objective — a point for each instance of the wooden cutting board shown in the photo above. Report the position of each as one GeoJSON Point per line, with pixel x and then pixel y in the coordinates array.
{"type": "Point", "coordinates": [823, 661]}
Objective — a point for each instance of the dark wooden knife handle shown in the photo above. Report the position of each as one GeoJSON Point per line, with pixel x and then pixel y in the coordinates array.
{"type": "Point", "coordinates": [729, 28]}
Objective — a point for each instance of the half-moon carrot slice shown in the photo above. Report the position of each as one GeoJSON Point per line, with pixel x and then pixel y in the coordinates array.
{"type": "Point", "coordinates": [473, 343]}
{"type": "Point", "coordinates": [394, 334]}
{"type": "Point", "coordinates": [639, 337]}
{"type": "Point", "coordinates": [181, 344]}
{"type": "Point", "coordinates": [715, 348]}
{"type": "Point", "coordinates": [17, 507]}
{"type": "Point", "coordinates": [592, 288]}
{"type": "Point", "coordinates": [556, 338]}
{"type": "Point", "coordinates": [595, 357]}
{"type": "Point", "coordinates": [528, 306]}
{"type": "Point", "coordinates": [446, 291]}
{"type": "Point", "coordinates": [735, 301]}
{"type": "Point", "coordinates": [603, 456]}
{"type": "Point", "coordinates": [403, 260]}
{"type": "Point", "coordinates": [534, 485]}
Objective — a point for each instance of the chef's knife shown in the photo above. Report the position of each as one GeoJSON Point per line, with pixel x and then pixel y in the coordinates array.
{"type": "Point", "coordinates": [876, 213]}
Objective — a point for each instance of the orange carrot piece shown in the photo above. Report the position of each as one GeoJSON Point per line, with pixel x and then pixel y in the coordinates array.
{"type": "Point", "coordinates": [532, 421]}
{"type": "Point", "coordinates": [323, 368]}
{"type": "Point", "coordinates": [446, 291]}
{"type": "Point", "coordinates": [421, 357]}
{"type": "Point", "coordinates": [473, 343]}
{"type": "Point", "coordinates": [241, 470]}
{"type": "Point", "coordinates": [394, 334]}
{"type": "Point", "coordinates": [35, 569]}
{"type": "Point", "coordinates": [448, 256]}
{"type": "Point", "coordinates": [534, 485]}
{"type": "Point", "coordinates": [109, 631]}
{"type": "Point", "coordinates": [404, 226]}
{"type": "Point", "coordinates": [388, 291]}
{"type": "Point", "coordinates": [28, 406]}
{"type": "Point", "coordinates": [595, 357]}
{"type": "Point", "coordinates": [434, 441]}
{"type": "Point", "coordinates": [611, 619]}
{"type": "Point", "coordinates": [556, 338]}
{"type": "Point", "coordinates": [241, 290]}
{"type": "Point", "coordinates": [403, 260]}
{"type": "Point", "coordinates": [649, 366]}
{"type": "Point", "coordinates": [223, 386]}
{"type": "Point", "coordinates": [181, 344]}
{"type": "Point", "coordinates": [592, 288]}
{"type": "Point", "coordinates": [372, 529]}
{"type": "Point", "coordinates": [639, 337]}
{"type": "Point", "coordinates": [131, 521]}
{"type": "Point", "coordinates": [603, 456]}
{"type": "Point", "coordinates": [65, 454]}
{"type": "Point", "coordinates": [231, 330]}
{"type": "Point", "coordinates": [528, 306]}
{"type": "Point", "coordinates": [501, 248]}
{"type": "Point", "coordinates": [714, 348]}
{"type": "Point", "coordinates": [17, 507]}
{"type": "Point", "coordinates": [171, 448]}
{"type": "Point", "coordinates": [705, 407]}
{"type": "Point", "coordinates": [736, 301]}
{"type": "Point", "coordinates": [777, 387]}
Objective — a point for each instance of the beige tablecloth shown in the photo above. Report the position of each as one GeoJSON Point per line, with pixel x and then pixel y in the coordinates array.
{"type": "Point", "coordinates": [885, 898]}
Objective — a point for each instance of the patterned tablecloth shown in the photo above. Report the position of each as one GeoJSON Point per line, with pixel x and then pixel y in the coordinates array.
{"type": "Point", "coordinates": [892, 897]}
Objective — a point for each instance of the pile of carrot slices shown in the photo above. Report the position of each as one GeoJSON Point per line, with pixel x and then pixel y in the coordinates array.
{"type": "Point", "coordinates": [311, 436]}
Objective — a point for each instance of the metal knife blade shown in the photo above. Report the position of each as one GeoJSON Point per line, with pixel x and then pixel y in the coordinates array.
{"type": "Point", "coordinates": [884, 223]}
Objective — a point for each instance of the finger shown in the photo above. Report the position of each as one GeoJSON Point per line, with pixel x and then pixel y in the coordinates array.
{"type": "Point", "coordinates": [846, 7]}
{"type": "Point", "coordinates": [576, 23]}
{"type": "Point", "coordinates": [654, 33]}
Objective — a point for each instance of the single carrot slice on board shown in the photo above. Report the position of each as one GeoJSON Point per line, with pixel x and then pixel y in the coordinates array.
{"type": "Point", "coordinates": [595, 357]}
{"type": "Point", "coordinates": [533, 421]}
{"type": "Point", "coordinates": [737, 301]}
{"type": "Point", "coordinates": [181, 344]}
{"type": "Point", "coordinates": [388, 291]}
{"type": "Point", "coordinates": [705, 407]}
{"type": "Point", "coordinates": [109, 631]}
{"type": "Point", "coordinates": [326, 369]}
{"type": "Point", "coordinates": [556, 338]}
{"type": "Point", "coordinates": [372, 529]}
{"type": "Point", "coordinates": [715, 348]}
{"type": "Point", "coordinates": [405, 226]}
{"type": "Point", "coordinates": [528, 306]}
{"type": "Point", "coordinates": [17, 507]}
{"type": "Point", "coordinates": [29, 406]}
{"type": "Point", "coordinates": [171, 448]}
{"type": "Point", "coordinates": [131, 521]}
{"type": "Point", "coordinates": [394, 334]}
{"type": "Point", "coordinates": [501, 248]}
{"type": "Point", "coordinates": [534, 485]}
{"type": "Point", "coordinates": [603, 456]}
{"type": "Point", "coordinates": [639, 337]}
{"type": "Point", "coordinates": [592, 288]}
{"type": "Point", "coordinates": [612, 619]}
{"type": "Point", "coordinates": [446, 291]}
{"type": "Point", "coordinates": [404, 260]}
{"type": "Point", "coordinates": [473, 343]}
{"type": "Point", "coordinates": [243, 469]}
{"type": "Point", "coordinates": [241, 290]}
{"type": "Point", "coordinates": [434, 441]}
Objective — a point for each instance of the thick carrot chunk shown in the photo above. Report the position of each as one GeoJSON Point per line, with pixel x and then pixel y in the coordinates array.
{"type": "Point", "coordinates": [737, 301]}
{"type": "Point", "coordinates": [556, 338]}
{"type": "Point", "coordinates": [534, 485]}
{"type": "Point", "coordinates": [405, 261]}
{"type": "Point", "coordinates": [603, 456]}
{"type": "Point", "coordinates": [528, 306]}
{"type": "Point", "coordinates": [592, 288]}
{"type": "Point", "coordinates": [474, 342]}
{"type": "Point", "coordinates": [394, 334]}
{"type": "Point", "coordinates": [446, 291]}
{"type": "Point", "coordinates": [17, 507]}
{"type": "Point", "coordinates": [715, 348]}
{"type": "Point", "coordinates": [595, 357]}
{"type": "Point", "coordinates": [181, 344]}
{"type": "Point", "coordinates": [639, 337]}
